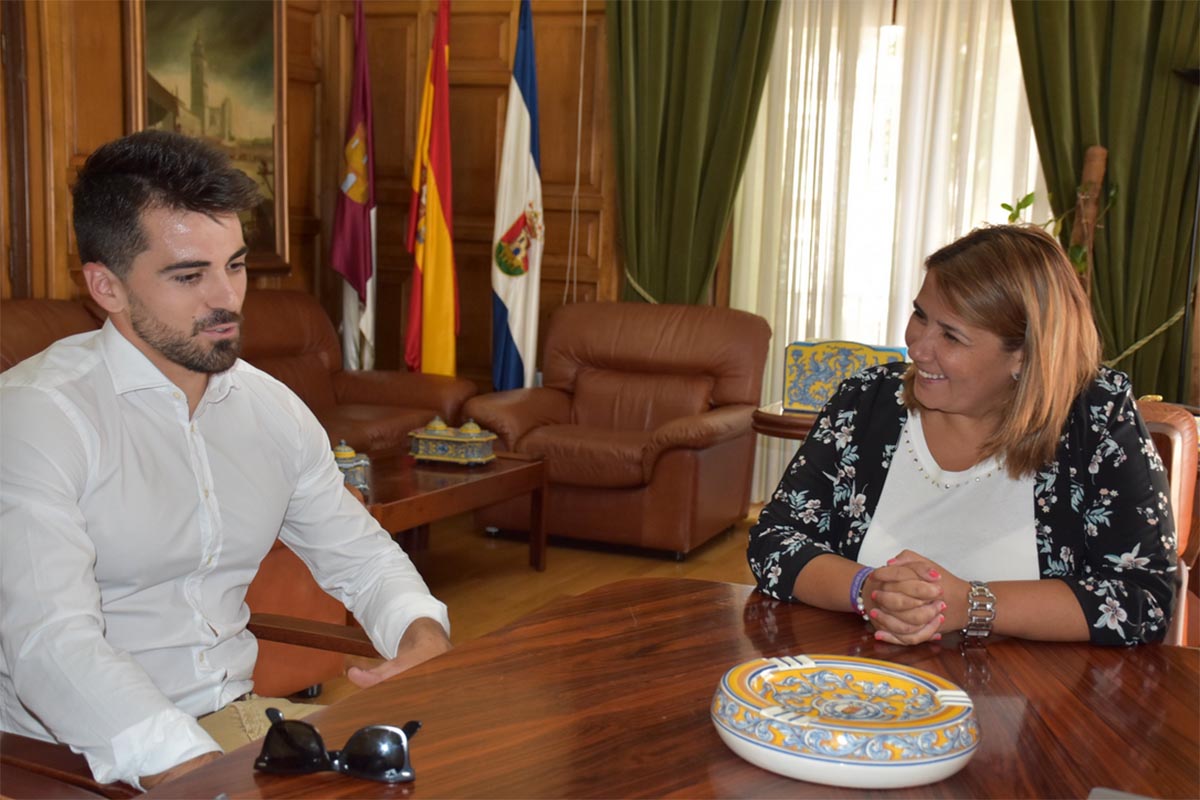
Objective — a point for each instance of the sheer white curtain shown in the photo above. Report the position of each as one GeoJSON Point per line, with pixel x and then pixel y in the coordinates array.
{"type": "Point", "coordinates": [876, 144]}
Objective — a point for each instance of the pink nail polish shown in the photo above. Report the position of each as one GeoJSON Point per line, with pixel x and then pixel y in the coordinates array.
{"type": "Point", "coordinates": [941, 618]}
{"type": "Point", "coordinates": [874, 613]}
{"type": "Point", "coordinates": [937, 637]}
{"type": "Point", "coordinates": [873, 594]}
{"type": "Point", "coordinates": [943, 607]}
{"type": "Point", "coordinates": [891, 561]}
{"type": "Point", "coordinates": [933, 573]}
{"type": "Point", "coordinates": [879, 636]}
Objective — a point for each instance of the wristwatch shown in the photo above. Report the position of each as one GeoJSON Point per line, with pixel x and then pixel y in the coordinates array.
{"type": "Point", "coordinates": [981, 611]}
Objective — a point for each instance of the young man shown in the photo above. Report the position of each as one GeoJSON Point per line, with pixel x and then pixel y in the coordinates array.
{"type": "Point", "coordinates": [144, 473]}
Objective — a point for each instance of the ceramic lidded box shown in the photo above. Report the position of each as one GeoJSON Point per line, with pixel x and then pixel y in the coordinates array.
{"type": "Point", "coordinates": [467, 445]}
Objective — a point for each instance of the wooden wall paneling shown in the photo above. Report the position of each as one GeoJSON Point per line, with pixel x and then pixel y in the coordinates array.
{"type": "Point", "coordinates": [80, 75]}
{"type": "Point", "coordinates": [302, 40]}
{"type": "Point", "coordinates": [14, 128]}
{"type": "Point", "coordinates": [564, 97]}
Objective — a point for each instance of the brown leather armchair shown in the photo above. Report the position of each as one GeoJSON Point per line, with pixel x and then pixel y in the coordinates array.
{"type": "Point", "coordinates": [644, 422]}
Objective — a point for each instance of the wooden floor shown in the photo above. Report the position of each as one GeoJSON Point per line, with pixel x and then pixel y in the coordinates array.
{"type": "Point", "coordinates": [486, 581]}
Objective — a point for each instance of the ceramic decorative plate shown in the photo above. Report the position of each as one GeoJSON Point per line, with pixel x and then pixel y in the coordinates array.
{"type": "Point", "coordinates": [845, 721]}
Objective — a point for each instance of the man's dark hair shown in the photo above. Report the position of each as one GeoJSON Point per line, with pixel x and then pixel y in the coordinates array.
{"type": "Point", "coordinates": [147, 170]}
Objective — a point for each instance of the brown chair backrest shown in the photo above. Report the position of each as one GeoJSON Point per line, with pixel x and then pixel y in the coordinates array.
{"type": "Point", "coordinates": [28, 326]}
{"type": "Point", "coordinates": [288, 335]}
{"type": "Point", "coordinates": [636, 366]}
{"type": "Point", "coordinates": [1173, 429]}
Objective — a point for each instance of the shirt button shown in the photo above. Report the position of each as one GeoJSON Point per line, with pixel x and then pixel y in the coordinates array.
{"type": "Point", "coordinates": [206, 494]}
{"type": "Point", "coordinates": [203, 660]}
{"type": "Point", "coordinates": [176, 395]}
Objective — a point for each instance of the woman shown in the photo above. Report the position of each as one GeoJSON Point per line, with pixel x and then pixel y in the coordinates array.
{"type": "Point", "coordinates": [1003, 481]}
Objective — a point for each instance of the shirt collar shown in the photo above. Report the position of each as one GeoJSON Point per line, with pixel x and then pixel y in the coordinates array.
{"type": "Point", "coordinates": [132, 371]}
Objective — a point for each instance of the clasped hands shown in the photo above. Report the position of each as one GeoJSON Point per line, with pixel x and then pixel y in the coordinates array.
{"type": "Point", "coordinates": [911, 600]}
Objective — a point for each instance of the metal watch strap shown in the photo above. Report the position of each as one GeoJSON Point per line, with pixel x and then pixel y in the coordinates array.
{"type": "Point", "coordinates": [981, 611]}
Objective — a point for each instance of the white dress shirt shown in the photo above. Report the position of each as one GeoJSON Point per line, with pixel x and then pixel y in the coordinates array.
{"type": "Point", "coordinates": [129, 533]}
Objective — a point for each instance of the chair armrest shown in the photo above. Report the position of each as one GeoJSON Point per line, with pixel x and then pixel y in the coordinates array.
{"type": "Point", "coordinates": [512, 414]}
{"type": "Point", "coordinates": [57, 765]}
{"type": "Point", "coordinates": [696, 433]}
{"type": "Point", "coordinates": [309, 633]}
{"type": "Point", "coordinates": [379, 387]}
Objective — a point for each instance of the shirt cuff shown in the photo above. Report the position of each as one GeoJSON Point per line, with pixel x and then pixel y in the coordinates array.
{"type": "Point", "coordinates": [154, 745]}
{"type": "Point", "coordinates": [404, 611]}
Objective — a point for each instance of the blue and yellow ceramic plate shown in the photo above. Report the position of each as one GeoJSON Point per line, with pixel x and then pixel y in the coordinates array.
{"type": "Point", "coordinates": [845, 721]}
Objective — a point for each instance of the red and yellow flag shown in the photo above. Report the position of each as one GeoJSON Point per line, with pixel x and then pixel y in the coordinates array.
{"type": "Point", "coordinates": [433, 304]}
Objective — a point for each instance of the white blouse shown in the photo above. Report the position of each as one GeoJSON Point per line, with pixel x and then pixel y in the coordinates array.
{"type": "Point", "coordinates": [977, 523]}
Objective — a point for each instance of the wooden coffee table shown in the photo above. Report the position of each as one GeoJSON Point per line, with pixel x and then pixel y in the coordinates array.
{"type": "Point", "coordinates": [407, 494]}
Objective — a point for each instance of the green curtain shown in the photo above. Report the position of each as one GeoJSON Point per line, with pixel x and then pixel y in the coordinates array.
{"type": "Point", "coordinates": [685, 82]}
{"type": "Point", "coordinates": [1102, 73]}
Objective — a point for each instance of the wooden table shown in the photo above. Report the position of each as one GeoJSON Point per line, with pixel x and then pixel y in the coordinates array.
{"type": "Point", "coordinates": [772, 420]}
{"type": "Point", "coordinates": [607, 695]}
{"type": "Point", "coordinates": [408, 494]}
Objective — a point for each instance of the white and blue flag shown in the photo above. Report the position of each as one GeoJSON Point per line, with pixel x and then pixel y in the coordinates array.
{"type": "Point", "coordinates": [519, 235]}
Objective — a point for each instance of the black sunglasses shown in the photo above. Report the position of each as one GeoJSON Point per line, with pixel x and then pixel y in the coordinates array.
{"type": "Point", "coordinates": [375, 753]}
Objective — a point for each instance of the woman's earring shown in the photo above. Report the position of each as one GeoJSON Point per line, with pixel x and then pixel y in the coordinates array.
{"type": "Point", "coordinates": [1016, 376]}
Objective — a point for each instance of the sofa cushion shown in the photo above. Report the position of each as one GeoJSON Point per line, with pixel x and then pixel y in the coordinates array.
{"type": "Point", "coordinates": [637, 401]}
{"type": "Point", "coordinates": [305, 374]}
{"type": "Point", "coordinates": [577, 455]}
{"type": "Point", "coordinates": [30, 326]}
{"type": "Point", "coordinates": [373, 429]}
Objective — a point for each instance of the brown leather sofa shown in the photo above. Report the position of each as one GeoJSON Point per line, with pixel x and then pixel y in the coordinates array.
{"type": "Point", "coordinates": [644, 421]}
{"type": "Point", "coordinates": [287, 334]}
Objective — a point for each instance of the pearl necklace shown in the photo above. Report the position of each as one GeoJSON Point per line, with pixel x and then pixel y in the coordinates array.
{"type": "Point", "coordinates": [908, 443]}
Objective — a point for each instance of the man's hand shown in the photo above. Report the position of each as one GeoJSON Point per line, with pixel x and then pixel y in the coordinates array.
{"type": "Point", "coordinates": [150, 781]}
{"type": "Point", "coordinates": [424, 639]}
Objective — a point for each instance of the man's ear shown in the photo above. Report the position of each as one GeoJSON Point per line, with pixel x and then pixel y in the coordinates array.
{"type": "Point", "coordinates": [105, 287]}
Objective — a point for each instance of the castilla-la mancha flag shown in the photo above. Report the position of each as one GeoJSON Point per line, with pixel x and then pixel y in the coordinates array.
{"type": "Point", "coordinates": [353, 248]}
{"type": "Point", "coordinates": [433, 305]}
{"type": "Point", "coordinates": [518, 238]}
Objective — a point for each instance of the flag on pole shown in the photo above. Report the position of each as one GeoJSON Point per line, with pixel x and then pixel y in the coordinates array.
{"type": "Point", "coordinates": [353, 250]}
{"type": "Point", "coordinates": [518, 238]}
{"type": "Point", "coordinates": [433, 303]}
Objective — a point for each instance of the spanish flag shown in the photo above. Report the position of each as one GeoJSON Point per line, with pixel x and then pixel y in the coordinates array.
{"type": "Point", "coordinates": [433, 305]}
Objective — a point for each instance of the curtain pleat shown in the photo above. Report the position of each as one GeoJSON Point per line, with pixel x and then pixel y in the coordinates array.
{"type": "Point", "coordinates": [1103, 73]}
{"type": "Point", "coordinates": [686, 80]}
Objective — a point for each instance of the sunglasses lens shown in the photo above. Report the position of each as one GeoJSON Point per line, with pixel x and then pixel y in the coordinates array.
{"type": "Point", "coordinates": [292, 746]}
{"type": "Point", "coordinates": [377, 753]}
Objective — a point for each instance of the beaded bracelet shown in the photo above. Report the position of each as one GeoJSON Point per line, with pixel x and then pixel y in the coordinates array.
{"type": "Point", "coordinates": [856, 591]}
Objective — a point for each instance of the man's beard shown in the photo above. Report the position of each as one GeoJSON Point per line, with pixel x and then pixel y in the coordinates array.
{"type": "Point", "coordinates": [186, 351]}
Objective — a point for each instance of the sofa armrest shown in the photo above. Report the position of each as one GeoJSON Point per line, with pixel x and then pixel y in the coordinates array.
{"type": "Point", "coordinates": [380, 387]}
{"type": "Point", "coordinates": [512, 414]}
{"type": "Point", "coordinates": [696, 432]}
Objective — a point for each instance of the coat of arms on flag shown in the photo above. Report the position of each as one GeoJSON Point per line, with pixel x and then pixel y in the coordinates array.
{"type": "Point", "coordinates": [512, 251]}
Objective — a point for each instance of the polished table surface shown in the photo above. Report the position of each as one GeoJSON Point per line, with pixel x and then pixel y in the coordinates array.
{"type": "Point", "coordinates": [406, 493]}
{"type": "Point", "coordinates": [607, 695]}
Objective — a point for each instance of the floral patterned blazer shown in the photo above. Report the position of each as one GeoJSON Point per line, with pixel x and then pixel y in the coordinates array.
{"type": "Point", "coordinates": [1103, 517]}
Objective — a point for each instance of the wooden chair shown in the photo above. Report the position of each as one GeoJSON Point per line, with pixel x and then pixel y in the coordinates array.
{"type": "Point", "coordinates": [1173, 429]}
{"type": "Point", "coordinates": [31, 768]}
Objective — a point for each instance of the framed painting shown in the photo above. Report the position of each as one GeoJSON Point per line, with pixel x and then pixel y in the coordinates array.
{"type": "Point", "coordinates": [216, 70]}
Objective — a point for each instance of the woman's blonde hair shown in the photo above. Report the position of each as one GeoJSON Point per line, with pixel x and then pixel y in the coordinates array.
{"type": "Point", "coordinates": [1017, 282]}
